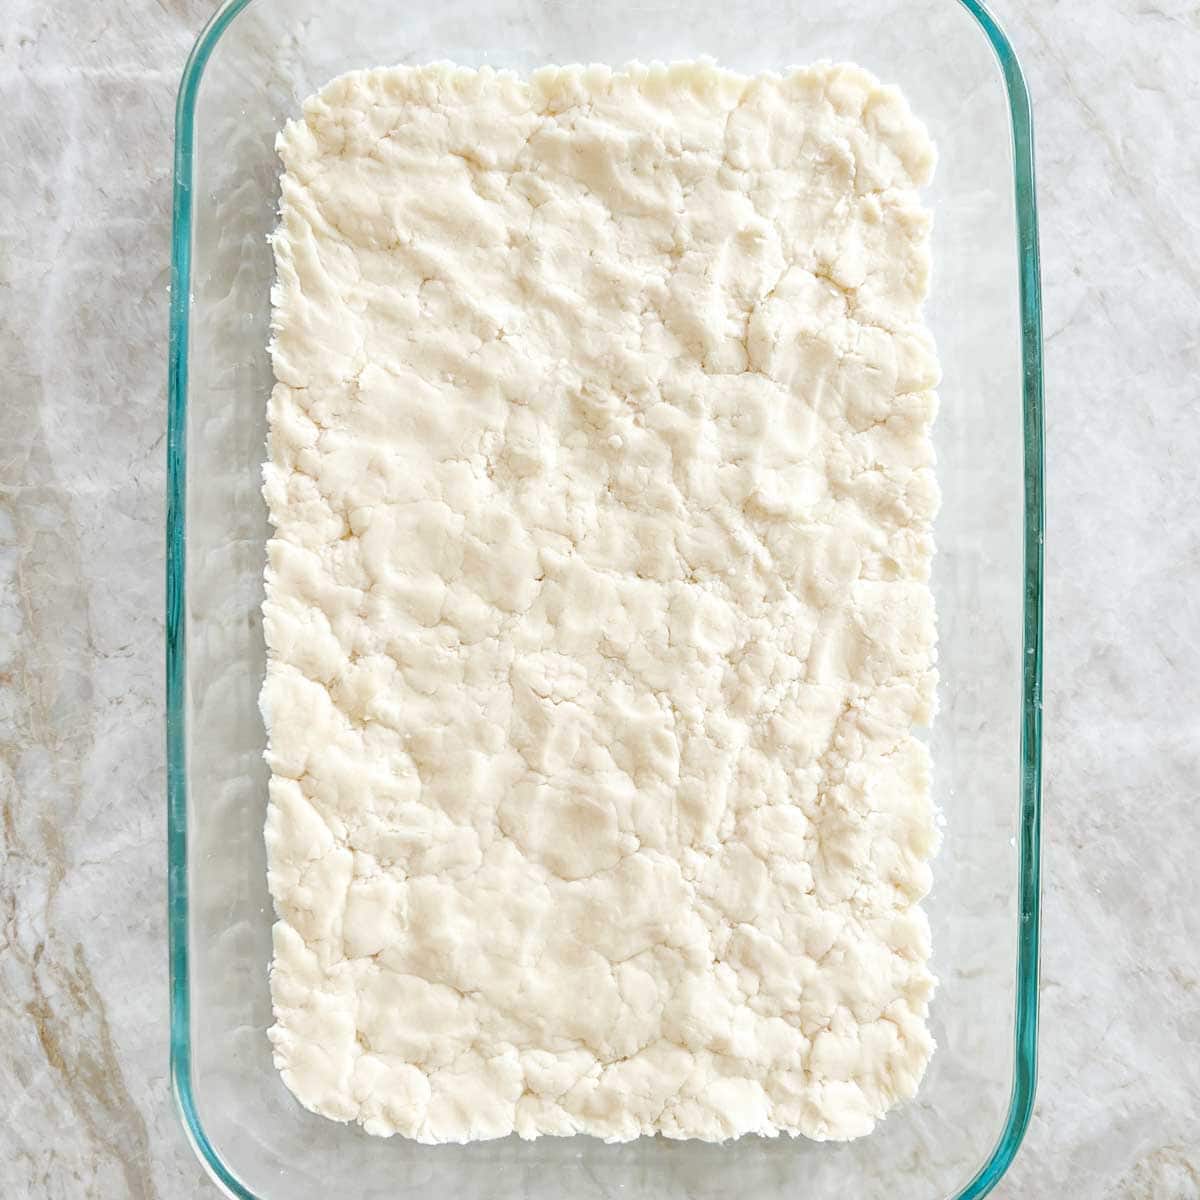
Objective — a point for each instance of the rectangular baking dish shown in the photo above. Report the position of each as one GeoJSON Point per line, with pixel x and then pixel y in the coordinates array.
{"type": "Point", "coordinates": [251, 67]}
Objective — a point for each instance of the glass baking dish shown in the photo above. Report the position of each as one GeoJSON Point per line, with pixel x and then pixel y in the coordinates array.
{"type": "Point", "coordinates": [251, 67]}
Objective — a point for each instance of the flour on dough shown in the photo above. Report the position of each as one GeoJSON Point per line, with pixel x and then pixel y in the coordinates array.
{"type": "Point", "coordinates": [598, 609]}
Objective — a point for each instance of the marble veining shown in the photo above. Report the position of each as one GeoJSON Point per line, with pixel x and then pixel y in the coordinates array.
{"type": "Point", "coordinates": [87, 93]}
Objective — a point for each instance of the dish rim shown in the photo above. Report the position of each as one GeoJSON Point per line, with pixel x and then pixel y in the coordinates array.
{"type": "Point", "coordinates": [1024, 1084]}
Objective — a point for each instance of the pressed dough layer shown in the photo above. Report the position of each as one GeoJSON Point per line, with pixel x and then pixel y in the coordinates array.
{"type": "Point", "coordinates": [598, 614]}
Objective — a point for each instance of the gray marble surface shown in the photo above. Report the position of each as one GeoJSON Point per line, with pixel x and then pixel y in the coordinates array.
{"type": "Point", "coordinates": [86, 98]}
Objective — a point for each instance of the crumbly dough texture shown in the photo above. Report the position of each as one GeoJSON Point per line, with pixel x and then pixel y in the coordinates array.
{"type": "Point", "coordinates": [598, 609]}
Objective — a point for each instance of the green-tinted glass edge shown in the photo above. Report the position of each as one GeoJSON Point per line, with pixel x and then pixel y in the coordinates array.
{"type": "Point", "coordinates": [1029, 902]}
{"type": "Point", "coordinates": [177, 362]}
{"type": "Point", "coordinates": [1020, 1107]}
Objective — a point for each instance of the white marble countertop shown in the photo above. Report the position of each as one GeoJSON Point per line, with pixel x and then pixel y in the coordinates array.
{"type": "Point", "coordinates": [87, 93]}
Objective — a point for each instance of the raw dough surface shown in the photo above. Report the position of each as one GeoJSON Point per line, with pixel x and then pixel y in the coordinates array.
{"type": "Point", "coordinates": [598, 606]}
